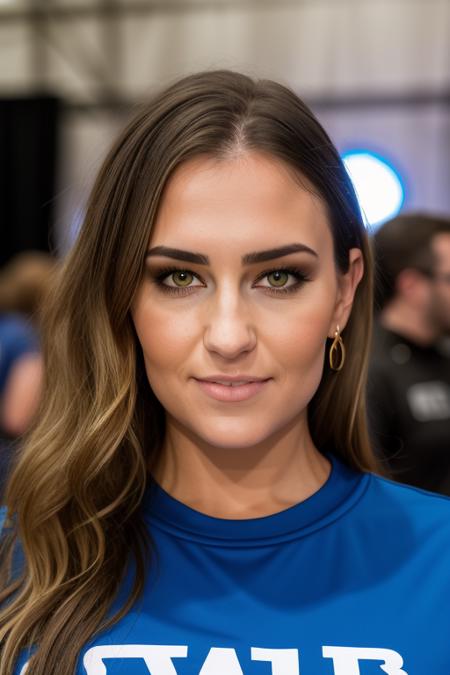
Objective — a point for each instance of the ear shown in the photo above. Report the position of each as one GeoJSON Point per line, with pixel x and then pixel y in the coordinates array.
{"type": "Point", "coordinates": [347, 285]}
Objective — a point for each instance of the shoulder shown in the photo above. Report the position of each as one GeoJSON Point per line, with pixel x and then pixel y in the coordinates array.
{"type": "Point", "coordinates": [381, 337]}
{"type": "Point", "coordinates": [17, 336]}
{"type": "Point", "coordinates": [383, 342]}
{"type": "Point", "coordinates": [421, 510]}
{"type": "Point", "coordinates": [15, 325]}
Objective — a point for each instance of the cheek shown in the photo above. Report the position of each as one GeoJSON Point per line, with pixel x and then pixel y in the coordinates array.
{"type": "Point", "coordinates": [299, 346]}
{"type": "Point", "coordinates": [300, 356]}
{"type": "Point", "coordinates": [441, 304]}
{"type": "Point", "coordinates": [162, 338]}
{"type": "Point", "coordinates": [300, 335]}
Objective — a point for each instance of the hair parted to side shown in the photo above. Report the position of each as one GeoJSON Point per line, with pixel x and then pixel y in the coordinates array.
{"type": "Point", "coordinates": [74, 496]}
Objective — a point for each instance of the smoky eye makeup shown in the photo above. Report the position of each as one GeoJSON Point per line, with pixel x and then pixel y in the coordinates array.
{"type": "Point", "coordinates": [290, 277]}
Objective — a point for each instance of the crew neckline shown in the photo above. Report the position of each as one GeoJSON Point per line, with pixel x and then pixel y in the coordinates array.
{"type": "Point", "coordinates": [343, 487]}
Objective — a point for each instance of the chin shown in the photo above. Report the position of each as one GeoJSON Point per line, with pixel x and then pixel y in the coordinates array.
{"type": "Point", "coordinates": [232, 438]}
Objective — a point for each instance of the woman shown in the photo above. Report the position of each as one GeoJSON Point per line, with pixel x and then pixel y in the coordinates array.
{"type": "Point", "coordinates": [173, 524]}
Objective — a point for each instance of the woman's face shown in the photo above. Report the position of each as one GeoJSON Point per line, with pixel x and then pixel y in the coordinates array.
{"type": "Point", "coordinates": [227, 316]}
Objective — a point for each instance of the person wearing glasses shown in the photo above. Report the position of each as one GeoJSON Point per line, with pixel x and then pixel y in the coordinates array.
{"type": "Point", "coordinates": [409, 377]}
{"type": "Point", "coordinates": [199, 495]}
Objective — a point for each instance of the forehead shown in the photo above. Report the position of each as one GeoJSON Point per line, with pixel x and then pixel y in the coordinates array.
{"type": "Point", "coordinates": [237, 202]}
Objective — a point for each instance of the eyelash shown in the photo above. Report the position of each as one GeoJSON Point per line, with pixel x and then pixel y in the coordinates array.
{"type": "Point", "coordinates": [162, 273]}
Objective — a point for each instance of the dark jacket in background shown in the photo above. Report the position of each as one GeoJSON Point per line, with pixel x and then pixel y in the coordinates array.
{"type": "Point", "coordinates": [409, 410]}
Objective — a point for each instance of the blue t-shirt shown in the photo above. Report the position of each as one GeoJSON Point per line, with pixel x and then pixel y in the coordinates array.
{"type": "Point", "coordinates": [355, 580]}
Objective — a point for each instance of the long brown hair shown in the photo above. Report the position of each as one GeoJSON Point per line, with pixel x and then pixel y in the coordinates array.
{"type": "Point", "coordinates": [73, 499]}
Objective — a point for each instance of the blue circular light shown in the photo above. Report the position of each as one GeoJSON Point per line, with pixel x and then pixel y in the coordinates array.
{"type": "Point", "coordinates": [378, 186]}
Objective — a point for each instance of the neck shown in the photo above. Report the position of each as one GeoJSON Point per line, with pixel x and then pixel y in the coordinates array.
{"type": "Point", "coordinates": [240, 482]}
{"type": "Point", "coordinates": [408, 321]}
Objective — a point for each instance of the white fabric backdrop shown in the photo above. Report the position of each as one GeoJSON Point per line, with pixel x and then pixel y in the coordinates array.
{"type": "Point", "coordinates": [322, 48]}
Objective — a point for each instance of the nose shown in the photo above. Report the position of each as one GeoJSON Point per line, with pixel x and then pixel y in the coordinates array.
{"type": "Point", "coordinates": [228, 326]}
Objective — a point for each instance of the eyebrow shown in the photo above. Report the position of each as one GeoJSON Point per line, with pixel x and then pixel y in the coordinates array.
{"type": "Point", "coordinates": [247, 259]}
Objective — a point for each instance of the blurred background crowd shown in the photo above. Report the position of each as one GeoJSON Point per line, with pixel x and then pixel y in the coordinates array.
{"type": "Point", "coordinates": [377, 75]}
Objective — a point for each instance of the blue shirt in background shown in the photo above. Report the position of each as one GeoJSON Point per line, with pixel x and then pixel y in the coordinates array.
{"type": "Point", "coordinates": [17, 338]}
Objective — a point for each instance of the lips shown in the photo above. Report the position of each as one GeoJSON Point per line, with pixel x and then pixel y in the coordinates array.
{"type": "Point", "coordinates": [242, 378]}
{"type": "Point", "coordinates": [230, 384]}
{"type": "Point", "coordinates": [232, 392]}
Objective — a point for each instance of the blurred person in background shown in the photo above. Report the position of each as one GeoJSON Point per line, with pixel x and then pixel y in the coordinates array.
{"type": "Point", "coordinates": [409, 376]}
{"type": "Point", "coordinates": [23, 284]}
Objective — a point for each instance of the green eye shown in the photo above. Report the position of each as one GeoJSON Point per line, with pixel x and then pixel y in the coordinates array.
{"type": "Point", "coordinates": [278, 278]}
{"type": "Point", "coordinates": [185, 281]}
{"type": "Point", "coordinates": [276, 275]}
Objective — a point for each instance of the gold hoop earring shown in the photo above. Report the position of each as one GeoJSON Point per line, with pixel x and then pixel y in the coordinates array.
{"type": "Point", "coordinates": [337, 342]}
